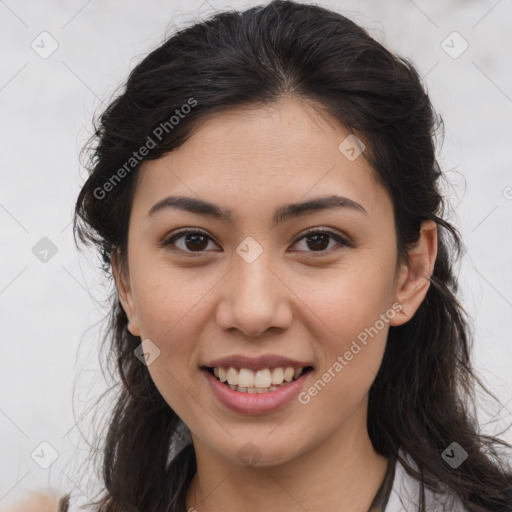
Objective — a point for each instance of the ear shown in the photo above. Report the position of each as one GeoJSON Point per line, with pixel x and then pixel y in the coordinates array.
{"type": "Point", "coordinates": [124, 291]}
{"type": "Point", "coordinates": [414, 278]}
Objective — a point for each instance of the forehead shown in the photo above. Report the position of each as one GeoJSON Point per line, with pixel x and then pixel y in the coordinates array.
{"type": "Point", "coordinates": [282, 152]}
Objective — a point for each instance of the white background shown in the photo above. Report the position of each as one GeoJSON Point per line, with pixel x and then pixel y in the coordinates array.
{"type": "Point", "coordinates": [50, 312]}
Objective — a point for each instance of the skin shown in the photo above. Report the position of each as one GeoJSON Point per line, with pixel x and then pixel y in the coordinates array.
{"type": "Point", "coordinates": [39, 501]}
{"type": "Point", "coordinates": [293, 300]}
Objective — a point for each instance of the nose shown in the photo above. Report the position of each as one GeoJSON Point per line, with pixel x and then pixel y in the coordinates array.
{"type": "Point", "coordinates": [254, 299]}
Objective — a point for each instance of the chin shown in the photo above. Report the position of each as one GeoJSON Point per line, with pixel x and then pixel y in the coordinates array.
{"type": "Point", "coordinates": [260, 450]}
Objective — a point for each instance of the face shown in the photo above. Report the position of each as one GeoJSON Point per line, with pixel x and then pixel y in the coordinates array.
{"type": "Point", "coordinates": [270, 292]}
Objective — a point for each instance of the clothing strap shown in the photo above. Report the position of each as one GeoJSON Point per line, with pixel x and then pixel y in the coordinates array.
{"type": "Point", "coordinates": [380, 501]}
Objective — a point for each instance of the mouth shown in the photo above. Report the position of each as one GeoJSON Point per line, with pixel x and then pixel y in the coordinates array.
{"type": "Point", "coordinates": [264, 380]}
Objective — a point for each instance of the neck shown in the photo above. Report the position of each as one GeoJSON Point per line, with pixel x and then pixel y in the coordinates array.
{"type": "Point", "coordinates": [342, 473]}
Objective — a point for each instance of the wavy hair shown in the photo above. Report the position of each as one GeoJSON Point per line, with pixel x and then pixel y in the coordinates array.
{"type": "Point", "coordinates": [423, 397]}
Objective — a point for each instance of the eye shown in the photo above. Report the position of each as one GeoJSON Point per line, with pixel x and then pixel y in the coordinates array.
{"type": "Point", "coordinates": [196, 241]}
{"type": "Point", "coordinates": [318, 239]}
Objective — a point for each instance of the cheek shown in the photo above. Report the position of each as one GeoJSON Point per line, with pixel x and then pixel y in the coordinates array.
{"type": "Point", "coordinates": [170, 321]}
{"type": "Point", "coordinates": [356, 306]}
{"type": "Point", "coordinates": [351, 300]}
{"type": "Point", "coordinates": [169, 305]}
{"type": "Point", "coordinates": [351, 355]}
{"type": "Point", "coordinates": [168, 299]}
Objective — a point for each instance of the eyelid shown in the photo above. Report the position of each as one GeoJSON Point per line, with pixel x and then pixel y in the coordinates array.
{"type": "Point", "coordinates": [169, 240]}
{"type": "Point", "coordinates": [342, 239]}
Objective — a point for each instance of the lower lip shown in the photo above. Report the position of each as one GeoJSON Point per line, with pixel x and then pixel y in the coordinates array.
{"type": "Point", "coordinates": [254, 403]}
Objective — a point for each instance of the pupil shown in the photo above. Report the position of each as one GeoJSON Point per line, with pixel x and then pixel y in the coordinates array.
{"type": "Point", "coordinates": [316, 237]}
{"type": "Point", "coordinates": [199, 246]}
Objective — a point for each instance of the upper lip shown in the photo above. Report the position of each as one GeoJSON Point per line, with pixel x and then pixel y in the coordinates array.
{"type": "Point", "coordinates": [256, 363]}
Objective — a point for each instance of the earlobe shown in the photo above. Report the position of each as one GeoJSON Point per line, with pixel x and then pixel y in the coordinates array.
{"type": "Point", "coordinates": [414, 279]}
{"type": "Point", "coordinates": [125, 293]}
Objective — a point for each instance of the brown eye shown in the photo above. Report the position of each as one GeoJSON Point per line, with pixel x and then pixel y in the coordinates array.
{"type": "Point", "coordinates": [193, 241]}
{"type": "Point", "coordinates": [318, 240]}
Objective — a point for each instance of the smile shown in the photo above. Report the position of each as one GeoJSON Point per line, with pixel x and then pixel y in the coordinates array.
{"type": "Point", "coordinates": [262, 391]}
{"type": "Point", "coordinates": [265, 380]}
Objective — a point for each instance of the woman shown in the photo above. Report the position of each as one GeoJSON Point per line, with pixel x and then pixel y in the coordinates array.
{"type": "Point", "coordinates": [284, 321]}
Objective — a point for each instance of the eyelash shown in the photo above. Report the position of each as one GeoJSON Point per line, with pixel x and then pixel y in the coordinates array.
{"type": "Point", "coordinates": [311, 231]}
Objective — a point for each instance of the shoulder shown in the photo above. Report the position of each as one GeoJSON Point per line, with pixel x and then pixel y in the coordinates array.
{"type": "Point", "coordinates": [406, 494]}
{"type": "Point", "coordinates": [45, 500]}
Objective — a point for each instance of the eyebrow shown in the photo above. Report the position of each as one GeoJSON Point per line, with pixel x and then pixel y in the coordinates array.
{"type": "Point", "coordinates": [281, 214]}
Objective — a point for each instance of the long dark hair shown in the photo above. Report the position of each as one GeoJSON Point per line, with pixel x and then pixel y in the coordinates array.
{"type": "Point", "coordinates": [422, 399]}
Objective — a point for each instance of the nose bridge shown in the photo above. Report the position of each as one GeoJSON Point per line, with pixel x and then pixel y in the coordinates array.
{"type": "Point", "coordinates": [253, 280]}
{"type": "Point", "coordinates": [255, 298]}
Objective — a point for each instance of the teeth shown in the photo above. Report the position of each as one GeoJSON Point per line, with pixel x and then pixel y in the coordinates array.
{"type": "Point", "coordinates": [232, 376]}
{"type": "Point", "coordinates": [246, 378]}
{"type": "Point", "coordinates": [288, 374]}
{"type": "Point", "coordinates": [277, 376]}
{"type": "Point", "coordinates": [262, 378]}
{"type": "Point", "coordinates": [260, 381]}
